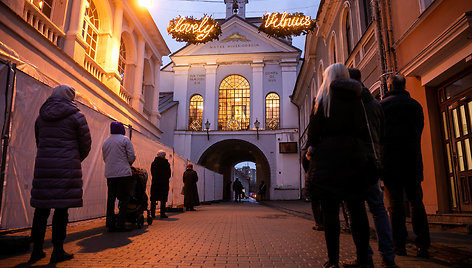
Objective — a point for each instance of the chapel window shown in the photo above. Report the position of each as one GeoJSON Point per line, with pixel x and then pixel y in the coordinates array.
{"type": "Point", "coordinates": [234, 100]}
{"type": "Point", "coordinates": [90, 28]}
{"type": "Point", "coordinates": [195, 114]}
{"type": "Point", "coordinates": [272, 111]}
{"type": "Point", "coordinates": [348, 32]}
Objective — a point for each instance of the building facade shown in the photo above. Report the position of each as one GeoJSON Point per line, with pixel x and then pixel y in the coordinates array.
{"type": "Point", "coordinates": [427, 41]}
{"type": "Point", "coordinates": [109, 51]}
{"type": "Point", "coordinates": [234, 103]}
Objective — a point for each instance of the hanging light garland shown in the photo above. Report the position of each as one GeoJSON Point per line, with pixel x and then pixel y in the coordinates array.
{"type": "Point", "coordinates": [285, 24]}
{"type": "Point", "coordinates": [194, 31]}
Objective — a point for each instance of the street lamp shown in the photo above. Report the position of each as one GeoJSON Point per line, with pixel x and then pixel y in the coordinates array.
{"type": "Point", "coordinates": [257, 124]}
{"type": "Point", "coordinates": [207, 127]}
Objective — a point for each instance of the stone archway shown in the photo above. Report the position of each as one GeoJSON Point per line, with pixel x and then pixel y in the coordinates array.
{"type": "Point", "coordinates": [223, 155]}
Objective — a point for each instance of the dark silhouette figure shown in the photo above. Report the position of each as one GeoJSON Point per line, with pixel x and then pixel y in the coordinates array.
{"type": "Point", "coordinates": [262, 191]}
{"type": "Point", "coordinates": [63, 142]}
{"type": "Point", "coordinates": [238, 190]}
{"type": "Point", "coordinates": [190, 179]}
{"type": "Point", "coordinates": [403, 165]}
{"type": "Point", "coordinates": [160, 170]}
{"type": "Point", "coordinates": [375, 195]}
{"type": "Point", "coordinates": [338, 134]}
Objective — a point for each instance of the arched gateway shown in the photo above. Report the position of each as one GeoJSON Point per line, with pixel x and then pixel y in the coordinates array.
{"type": "Point", "coordinates": [223, 155]}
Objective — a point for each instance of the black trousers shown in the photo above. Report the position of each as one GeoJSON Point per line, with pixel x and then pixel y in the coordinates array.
{"type": "Point", "coordinates": [414, 194]}
{"type": "Point", "coordinates": [59, 226]}
{"type": "Point", "coordinates": [162, 208]}
{"type": "Point", "coordinates": [120, 188]}
{"type": "Point", "coordinates": [317, 214]}
{"type": "Point", "coordinates": [359, 225]}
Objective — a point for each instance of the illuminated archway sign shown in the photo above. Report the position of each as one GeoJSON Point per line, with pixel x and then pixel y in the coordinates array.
{"type": "Point", "coordinates": [284, 24]}
{"type": "Point", "coordinates": [194, 31]}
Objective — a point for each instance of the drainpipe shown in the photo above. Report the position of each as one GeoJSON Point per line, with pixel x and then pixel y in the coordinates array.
{"type": "Point", "coordinates": [389, 33]}
{"type": "Point", "coordinates": [381, 46]}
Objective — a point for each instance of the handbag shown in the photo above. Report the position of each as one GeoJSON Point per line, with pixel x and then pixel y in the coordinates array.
{"type": "Point", "coordinates": [374, 165]}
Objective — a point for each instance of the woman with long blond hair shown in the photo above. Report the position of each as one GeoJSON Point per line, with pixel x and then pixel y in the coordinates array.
{"type": "Point", "coordinates": [338, 134]}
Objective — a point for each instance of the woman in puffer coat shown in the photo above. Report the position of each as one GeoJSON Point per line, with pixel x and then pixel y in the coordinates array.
{"type": "Point", "coordinates": [160, 170]}
{"type": "Point", "coordinates": [63, 142]}
{"type": "Point", "coordinates": [338, 134]}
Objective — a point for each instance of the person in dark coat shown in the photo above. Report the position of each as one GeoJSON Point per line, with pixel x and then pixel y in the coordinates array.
{"type": "Point", "coordinates": [338, 134]}
{"type": "Point", "coordinates": [160, 170]}
{"type": "Point", "coordinates": [190, 179]}
{"type": "Point", "coordinates": [403, 165]}
{"type": "Point", "coordinates": [262, 191]}
{"type": "Point", "coordinates": [63, 142]}
{"type": "Point", "coordinates": [375, 195]}
{"type": "Point", "coordinates": [238, 190]}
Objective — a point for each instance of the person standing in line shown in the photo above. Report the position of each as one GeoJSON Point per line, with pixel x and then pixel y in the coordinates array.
{"type": "Point", "coordinates": [160, 170]}
{"type": "Point", "coordinates": [403, 165]}
{"type": "Point", "coordinates": [375, 195]}
{"type": "Point", "coordinates": [63, 141]}
{"type": "Point", "coordinates": [238, 190]}
{"type": "Point", "coordinates": [262, 190]}
{"type": "Point", "coordinates": [118, 154]}
{"type": "Point", "coordinates": [338, 134]}
{"type": "Point", "coordinates": [190, 179]}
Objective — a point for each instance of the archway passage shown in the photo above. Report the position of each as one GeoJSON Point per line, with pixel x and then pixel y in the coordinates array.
{"type": "Point", "coordinates": [222, 156]}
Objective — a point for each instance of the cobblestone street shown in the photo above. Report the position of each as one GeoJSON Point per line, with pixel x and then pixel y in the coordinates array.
{"type": "Point", "coordinates": [222, 235]}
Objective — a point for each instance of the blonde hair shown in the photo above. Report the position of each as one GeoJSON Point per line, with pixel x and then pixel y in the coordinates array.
{"type": "Point", "coordinates": [332, 72]}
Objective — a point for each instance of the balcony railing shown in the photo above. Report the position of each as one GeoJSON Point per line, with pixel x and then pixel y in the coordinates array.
{"type": "Point", "coordinates": [125, 95]}
{"type": "Point", "coordinates": [33, 16]}
{"type": "Point", "coordinates": [94, 68]}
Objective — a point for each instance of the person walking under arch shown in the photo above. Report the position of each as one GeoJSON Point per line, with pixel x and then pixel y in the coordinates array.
{"type": "Point", "coordinates": [403, 165]}
{"type": "Point", "coordinates": [338, 134]}
{"type": "Point", "coordinates": [238, 190]}
{"type": "Point", "coordinates": [160, 171]}
{"type": "Point", "coordinates": [190, 179]}
{"type": "Point", "coordinates": [63, 142]}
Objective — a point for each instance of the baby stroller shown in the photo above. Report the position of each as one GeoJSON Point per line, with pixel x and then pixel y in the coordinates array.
{"type": "Point", "coordinates": [139, 200]}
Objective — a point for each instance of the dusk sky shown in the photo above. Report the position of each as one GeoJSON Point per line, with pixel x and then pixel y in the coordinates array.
{"type": "Point", "coordinates": [164, 10]}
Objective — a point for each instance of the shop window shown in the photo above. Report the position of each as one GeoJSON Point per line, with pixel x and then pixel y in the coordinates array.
{"type": "Point", "coordinates": [234, 103]}
{"type": "Point", "coordinates": [90, 28]}
{"type": "Point", "coordinates": [195, 116]}
{"type": "Point", "coordinates": [272, 110]}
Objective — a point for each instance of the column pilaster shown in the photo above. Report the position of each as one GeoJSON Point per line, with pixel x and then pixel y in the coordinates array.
{"type": "Point", "coordinates": [180, 95]}
{"type": "Point", "coordinates": [257, 95]}
{"type": "Point", "coordinates": [211, 101]}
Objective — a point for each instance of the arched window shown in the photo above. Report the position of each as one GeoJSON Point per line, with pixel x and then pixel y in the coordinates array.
{"type": "Point", "coordinates": [90, 28]}
{"type": "Point", "coordinates": [347, 28]}
{"type": "Point", "coordinates": [366, 14]}
{"type": "Point", "coordinates": [333, 49]}
{"type": "Point", "coordinates": [272, 103]}
{"type": "Point", "coordinates": [234, 99]}
{"type": "Point", "coordinates": [122, 61]}
{"type": "Point", "coordinates": [44, 5]}
{"type": "Point", "coordinates": [195, 113]}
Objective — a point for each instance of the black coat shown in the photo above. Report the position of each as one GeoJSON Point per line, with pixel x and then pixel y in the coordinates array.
{"type": "Point", "coordinates": [63, 141]}
{"type": "Point", "coordinates": [190, 179]}
{"type": "Point", "coordinates": [337, 168]}
{"type": "Point", "coordinates": [404, 123]}
{"type": "Point", "coordinates": [160, 171]}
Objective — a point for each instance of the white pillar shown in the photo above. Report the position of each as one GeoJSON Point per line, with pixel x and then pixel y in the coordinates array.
{"type": "Point", "coordinates": [180, 95]}
{"type": "Point", "coordinates": [137, 102]}
{"type": "Point", "coordinates": [210, 103]}
{"type": "Point", "coordinates": [155, 115]}
{"type": "Point", "coordinates": [257, 95]}
{"type": "Point", "coordinates": [78, 8]}
{"type": "Point", "coordinates": [114, 52]}
{"type": "Point", "coordinates": [289, 112]}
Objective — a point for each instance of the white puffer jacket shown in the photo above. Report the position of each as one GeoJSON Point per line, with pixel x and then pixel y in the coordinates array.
{"type": "Point", "coordinates": [118, 154]}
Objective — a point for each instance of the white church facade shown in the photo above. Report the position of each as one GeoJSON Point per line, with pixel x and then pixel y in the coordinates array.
{"type": "Point", "coordinates": [228, 101]}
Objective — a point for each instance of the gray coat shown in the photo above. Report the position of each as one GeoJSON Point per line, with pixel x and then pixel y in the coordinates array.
{"type": "Point", "coordinates": [63, 142]}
